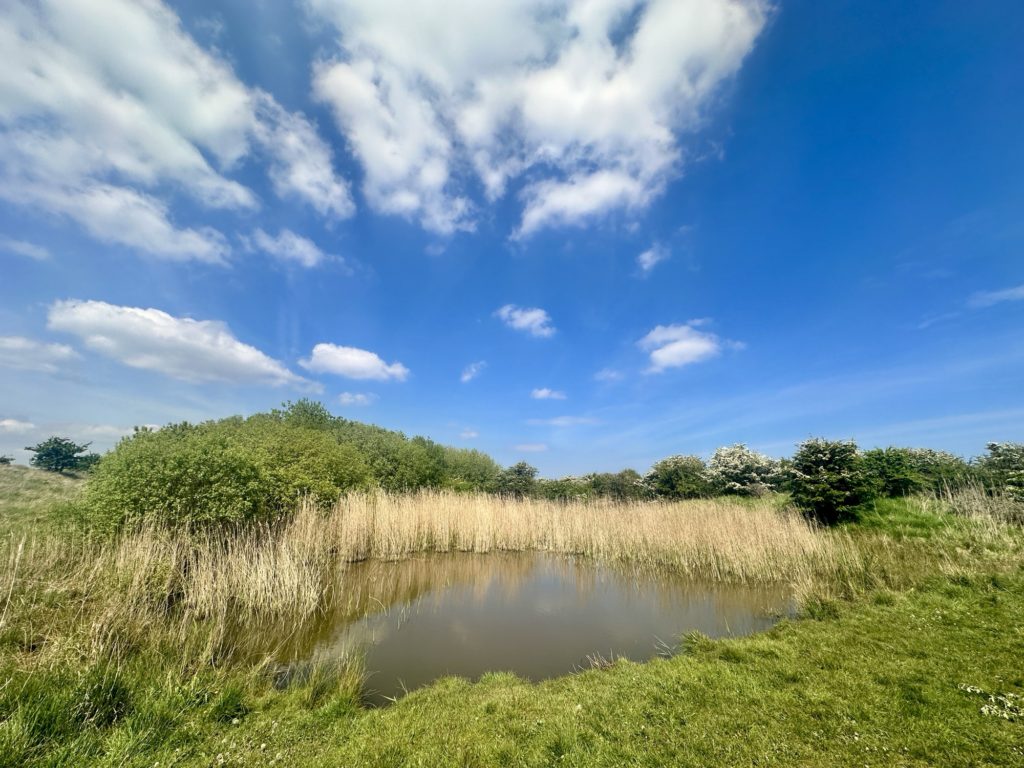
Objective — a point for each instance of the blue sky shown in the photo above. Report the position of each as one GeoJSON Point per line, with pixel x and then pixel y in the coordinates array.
{"type": "Point", "coordinates": [584, 234]}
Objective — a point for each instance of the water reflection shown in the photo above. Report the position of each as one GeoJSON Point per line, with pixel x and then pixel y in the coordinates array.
{"type": "Point", "coordinates": [533, 614]}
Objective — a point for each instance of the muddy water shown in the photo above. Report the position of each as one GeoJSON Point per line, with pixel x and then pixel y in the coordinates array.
{"type": "Point", "coordinates": [536, 615]}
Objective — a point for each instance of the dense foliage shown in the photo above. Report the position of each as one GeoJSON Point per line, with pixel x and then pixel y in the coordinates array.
{"type": "Point", "coordinates": [6, 460]}
{"type": "Point", "coordinates": [905, 471]}
{"type": "Point", "coordinates": [679, 477]}
{"type": "Point", "coordinates": [736, 469]}
{"type": "Point", "coordinates": [828, 479]}
{"type": "Point", "coordinates": [256, 468]}
{"type": "Point", "coordinates": [59, 454]}
{"type": "Point", "coordinates": [1003, 468]}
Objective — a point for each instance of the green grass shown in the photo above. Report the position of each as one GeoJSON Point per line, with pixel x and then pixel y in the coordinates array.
{"type": "Point", "coordinates": [893, 666]}
{"type": "Point", "coordinates": [28, 497]}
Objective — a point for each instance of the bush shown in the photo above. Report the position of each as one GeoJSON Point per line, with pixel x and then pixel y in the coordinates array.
{"type": "Point", "coordinates": [904, 471]}
{"type": "Point", "coordinates": [828, 479]}
{"type": "Point", "coordinates": [679, 477]}
{"type": "Point", "coordinates": [229, 471]}
{"type": "Point", "coordinates": [518, 480]}
{"type": "Point", "coordinates": [1003, 469]}
{"type": "Point", "coordinates": [59, 454]}
{"type": "Point", "coordinates": [738, 470]}
{"type": "Point", "coordinates": [6, 461]}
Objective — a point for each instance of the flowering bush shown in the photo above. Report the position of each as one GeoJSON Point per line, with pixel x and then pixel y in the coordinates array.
{"type": "Point", "coordinates": [1004, 468]}
{"type": "Point", "coordinates": [736, 469]}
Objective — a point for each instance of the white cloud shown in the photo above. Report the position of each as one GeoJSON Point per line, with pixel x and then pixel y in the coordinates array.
{"type": "Point", "coordinates": [543, 393]}
{"type": "Point", "coordinates": [357, 398]}
{"type": "Point", "coordinates": [595, 96]}
{"type": "Point", "coordinates": [531, 320]}
{"type": "Point", "coordinates": [650, 258]}
{"type": "Point", "coordinates": [608, 374]}
{"type": "Point", "coordinates": [24, 248]}
{"type": "Point", "coordinates": [531, 447]}
{"type": "Point", "coordinates": [469, 434]}
{"type": "Point", "coordinates": [352, 363]}
{"type": "Point", "coordinates": [15, 427]}
{"type": "Point", "coordinates": [29, 355]}
{"type": "Point", "coordinates": [991, 298]}
{"type": "Point", "coordinates": [472, 370]}
{"type": "Point", "coordinates": [562, 421]}
{"type": "Point", "coordinates": [182, 348]}
{"type": "Point", "coordinates": [105, 104]}
{"type": "Point", "coordinates": [290, 247]}
{"type": "Point", "coordinates": [673, 346]}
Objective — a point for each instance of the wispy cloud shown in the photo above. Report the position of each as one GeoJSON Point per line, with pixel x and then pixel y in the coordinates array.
{"type": "Point", "coordinates": [543, 393]}
{"type": "Point", "coordinates": [24, 248]}
{"type": "Point", "coordinates": [651, 258]}
{"type": "Point", "coordinates": [15, 426]}
{"type": "Point", "coordinates": [983, 299]}
{"type": "Point", "coordinates": [289, 247]}
{"type": "Point", "coordinates": [531, 320]}
{"type": "Point", "coordinates": [469, 434]}
{"type": "Point", "coordinates": [531, 447]}
{"type": "Point", "coordinates": [608, 374]}
{"type": "Point", "coordinates": [25, 354]}
{"type": "Point", "coordinates": [563, 421]}
{"type": "Point", "coordinates": [357, 398]}
{"type": "Point", "coordinates": [472, 370]}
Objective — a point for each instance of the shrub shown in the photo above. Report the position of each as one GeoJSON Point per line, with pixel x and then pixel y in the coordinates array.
{"type": "Point", "coordinates": [679, 477]}
{"type": "Point", "coordinates": [904, 471]}
{"type": "Point", "coordinates": [59, 454]}
{"type": "Point", "coordinates": [6, 461]}
{"type": "Point", "coordinates": [828, 479]}
{"type": "Point", "coordinates": [736, 469]}
{"type": "Point", "coordinates": [1003, 468]}
{"type": "Point", "coordinates": [234, 470]}
{"type": "Point", "coordinates": [518, 480]}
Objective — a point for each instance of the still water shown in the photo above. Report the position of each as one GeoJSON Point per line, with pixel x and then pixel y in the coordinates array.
{"type": "Point", "coordinates": [536, 615]}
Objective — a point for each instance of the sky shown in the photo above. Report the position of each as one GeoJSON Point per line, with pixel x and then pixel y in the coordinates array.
{"type": "Point", "coordinates": [587, 234]}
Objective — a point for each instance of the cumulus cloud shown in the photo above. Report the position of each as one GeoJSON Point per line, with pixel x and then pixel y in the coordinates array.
{"type": "Point", "coordinates": [24, 248]}
{"type": "Point", "coordinates": [357, 398]}
{"type": "Point", "coordinates": [650, 258]}
{"type": "Point", "coordinates": [472, 370]}
{"type": "Point", "coordinates": [531, 447]}
{"type": "Point", "coordinates": [106, 104]}
{"type": "Point", "coordinates": [984, 299]}
{"type": "Point", "coordinates": [531, 320]}
{"type": "Point", "coordinates": [543, 393]}
{"type": "Point", "coordinates": [182, 348]}
{"type": "Point", "coordinates": [25, 354]}
{"type": "Point", "coordinates": [289, 247]}
{"type": "Point", "coordinates": [352, 363]}
{"type": "Point", "coordinates": [586, 103]}
{"type": "Point", "coordinates": [15, 427]}
{"type": "Point", "coordinates": [673, 346]}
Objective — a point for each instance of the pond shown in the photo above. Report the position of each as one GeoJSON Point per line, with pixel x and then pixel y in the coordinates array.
{"type": "Point", "coordinates": [533, 614]}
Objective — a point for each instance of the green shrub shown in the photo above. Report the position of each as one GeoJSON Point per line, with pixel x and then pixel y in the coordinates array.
{"type": "Point", "coordinates": [234, 470]}
{"type": "Point", "coordinates": [904, 471]}
{"type": "Point", "coordinates": [679, 477]}
{"type": "Point", "coordinates": [828, 479]}
{"type": "Point", "coordinates": [59, 454]}
{"type": "Point", "coordinates": [519, 480]}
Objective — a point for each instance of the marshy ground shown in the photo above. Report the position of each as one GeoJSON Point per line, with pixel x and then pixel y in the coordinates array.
{"type": "Point", "coordinates": [142, 649]}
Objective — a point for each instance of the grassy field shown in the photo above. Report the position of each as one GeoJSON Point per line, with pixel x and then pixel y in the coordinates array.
{"type": "Point", "coordinates": [907, 651]}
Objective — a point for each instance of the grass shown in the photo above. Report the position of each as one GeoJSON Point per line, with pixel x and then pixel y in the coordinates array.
{"type": "Point", "coordinates": [124, 652]}
{"type": "Point", "coordinates": [27, 497]}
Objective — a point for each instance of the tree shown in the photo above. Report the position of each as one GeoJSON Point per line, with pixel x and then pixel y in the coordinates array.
{"type": "Point", "coordinates": [828, 479]}
{"type": "Point", "coordinates": [59, 454]}
{"type": "Point", "coordinates": [517, 480]}
{"type": "Point", "coordinates": [5, 460]}
{"type": "Point", "coordinates": [1004, 468]}
{"type": "Point", "coordinates": [679, 477]}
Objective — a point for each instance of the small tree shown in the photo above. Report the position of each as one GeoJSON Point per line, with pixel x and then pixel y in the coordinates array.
{"type": "Point", "coordinates": [738, 470]}
{"type": "Point", "coordinates": [6, 460]}
{"type": "Point", "coordinates": [828, 480]}
{"type": "Point", "coordinates": [1004, 468]}
{"type": "Point", "coordinates": [59, 454]}
{"type": "Point", "coordinates": [679, 477]}
{"type": "Point", "coordinates": [517, 480]}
